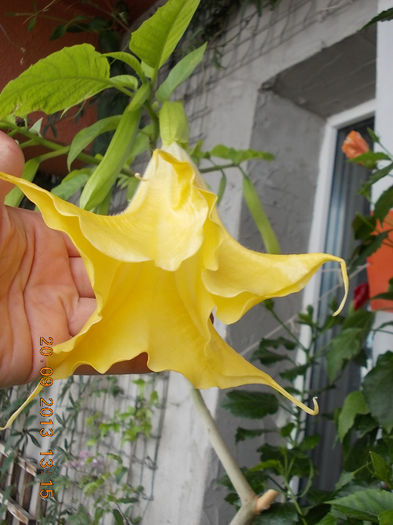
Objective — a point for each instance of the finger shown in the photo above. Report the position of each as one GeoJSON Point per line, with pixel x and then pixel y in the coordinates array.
{"type": "Point", "coordinates": [11, 161]}
{"type": "Point", "coordinates": [71, 249]}
{"type": "Point", "coordinates": [83, 310]}
{"type": "Point", "coordinates": [81, 279]}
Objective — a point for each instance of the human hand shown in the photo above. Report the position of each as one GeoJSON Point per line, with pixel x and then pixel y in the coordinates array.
{"type": "Point", "coordinates": [44, 287]}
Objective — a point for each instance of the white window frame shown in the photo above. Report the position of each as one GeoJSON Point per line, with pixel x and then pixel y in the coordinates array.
{"type": "Point", "coordinates": [324, 185]}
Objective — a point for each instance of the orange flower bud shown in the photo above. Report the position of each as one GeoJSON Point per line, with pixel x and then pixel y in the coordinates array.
{"type": "Point", "coordinates": [354, 145]}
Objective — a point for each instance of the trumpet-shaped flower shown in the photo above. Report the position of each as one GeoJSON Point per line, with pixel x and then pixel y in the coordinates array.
{"type": "Point", "coordinates": [158, 271]}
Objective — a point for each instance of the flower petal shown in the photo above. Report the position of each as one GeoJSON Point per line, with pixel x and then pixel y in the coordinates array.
{"type": "Point", "coordinates": [164, 222]}
{"type": "Point", "coordinates": [244, 278]}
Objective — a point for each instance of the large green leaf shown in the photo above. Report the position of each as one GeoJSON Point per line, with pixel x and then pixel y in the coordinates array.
{"type": "Point", "coordinates": [378, 390]}
{"type": "Point", "coordinates": [154, 41]}
{"type": "Point", "coordinates": [364, 504]}
{"type": "Point", "coordinates": [354, 404]}
{"type": "Point", "coordinates": [61, 80]}
{"type": "Point", "coordinates": [180, 73]}
{"type": "Point", "coordinates": [253, 405]}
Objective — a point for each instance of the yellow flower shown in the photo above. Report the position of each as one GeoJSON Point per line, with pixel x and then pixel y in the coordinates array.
{"type": "Point", "coordinates": [158, 271]}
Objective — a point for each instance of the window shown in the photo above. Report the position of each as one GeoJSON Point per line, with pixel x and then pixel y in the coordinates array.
{"type": "Point", "coordinates": [344, 202]}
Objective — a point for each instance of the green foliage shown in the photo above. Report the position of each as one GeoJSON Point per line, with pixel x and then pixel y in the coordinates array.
{"type": "Point", "coordinates": [259, 215]}
{"type": "Point", "coordinates": [254, 405]}
{"type": "Point", "coordinates": [102, 180]}
{"type": "Point", "coordinates": [378, 391]}
{"type": "Point", "coordinates": [354, 405]}
{"type": "Point", "coordinates": [181, 72]}
{"type": "Point", "coordinates": [86, 135]}
{"type": "Point", "coordinates": [59, 81]}
{"type": "Point", "coordinates": [155, 40]}
{"type": "Point", "coordinates": [173, 124]}
{"type": "Point", "coordinates": [364, 423]}
{"type": "Point", "coordinates": [364, 504]}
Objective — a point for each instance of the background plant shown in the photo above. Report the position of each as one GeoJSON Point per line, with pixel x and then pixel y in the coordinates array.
{"type": "Point", "coordinates": [364, 424]}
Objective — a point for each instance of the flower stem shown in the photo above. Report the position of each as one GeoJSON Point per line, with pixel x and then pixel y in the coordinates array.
{"type": "Point", "coordinates": [251, 504]}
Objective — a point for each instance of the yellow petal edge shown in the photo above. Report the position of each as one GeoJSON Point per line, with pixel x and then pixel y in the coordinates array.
{"type": "Point", "coordinates": [159, 269]}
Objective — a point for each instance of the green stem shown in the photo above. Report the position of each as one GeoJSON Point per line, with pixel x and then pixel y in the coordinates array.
{"type": "Point", "coordinates": [217, 167]}
{"type": "Point", "coordinates": [236, 476]}
{"type": "Point", "coordinates": [251, 504]}
{"type": "Point", "coordinates": [35, 140]}
{"type": "Point", "coordinates": [286, 329]}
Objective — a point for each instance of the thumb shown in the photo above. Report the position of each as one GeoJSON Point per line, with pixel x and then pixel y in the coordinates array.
{"type": "Point", "coordinates": [11, 161]}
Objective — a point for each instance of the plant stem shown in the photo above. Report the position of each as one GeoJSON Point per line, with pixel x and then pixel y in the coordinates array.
{"type": "Point", "coordinates": [251, 504]}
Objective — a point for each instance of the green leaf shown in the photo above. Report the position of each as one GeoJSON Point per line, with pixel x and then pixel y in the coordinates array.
{"type": "Point", "coordinates": [86, 135]}
{"type": "Point", "coordinates": [260, 218]}
{"type": "Point", "coordinates": [101, 181]}
{"type": "Point", "coordinates": [294, 372]}
{"type": "Point", "coordinates": [383, 16]}
{"type": "Point", "coordinates": [384, 204]}
{"type": "Point", "coordinates": [385, 517]}
{"type": "Point", "coordinates": [373, 244]}
{"type": "Point", "coordinates": [248, 433]}
{"type": "Point", "coordinates": [126, 81]}
{"type": "Point", "coordinates": [375, 177]}
{"type": "Point", "coordinates": [278, 514]}
{"type": "Point", "coordinates": [354, 404]}
{"type": "Point", "coordinates": [378, 390]}
{"type": "Point", "coordinates": [61, 80]}
{"type": "Point", "coordinates": [132, 186]}
{"type": "Point", "coordinates": [363, 226]}
{"type": "Point", "coordinates": [266, 357]}
{"type": "Point", "coordinates": [254, 405]}
{"type": "Point", "coordinates": [343, 347]}
{"type": "Point", "coordinates": [71, 183]}
{"type": "Point", "coordinates": [118, 517]}
{"type": "Point", "coordinates": [15, 196]}
{"type": "Point", "coordinates": [328, 519]}
{"type": "Point", "coordinates": [383, 470]}
{"type": "Point", "coordinates": [344, 479]}
{"type": "Point", "coordinates": [348, 343]}
{"type": "Point", "coordinates": [237, 156]}
{"type": "Point", "coordinates": [309, 442]}
{"type": "Point", "coordinates": [180, 73]}
{"type": "Point", "coordinates": [287, 429]}
{"type": "Point", "coordinates": [173, 123]}
{"type": "Point", "coordinates": [155, 40]}
{"type": "Point", "coordinates": [364, 504]}
{"type": "Point", "coordinates": [140, 144]}
{"type": "Point", "coordinates": [128, 59]}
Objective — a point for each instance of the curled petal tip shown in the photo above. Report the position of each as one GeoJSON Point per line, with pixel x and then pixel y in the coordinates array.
{"type": "Point", "coordinates": [346, 285]}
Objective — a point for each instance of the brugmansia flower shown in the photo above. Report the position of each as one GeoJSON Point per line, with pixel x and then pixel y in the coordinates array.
{"type": "Point", "coordinates": [354, 145]}
{"type": "Point", "coordinates": [158, 271]}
